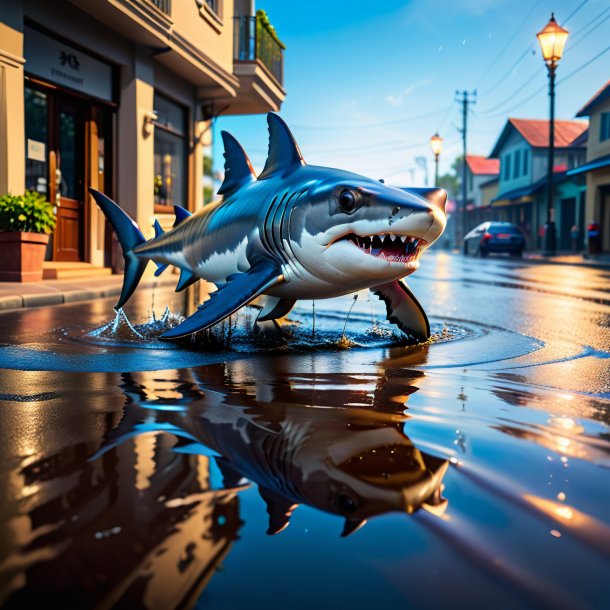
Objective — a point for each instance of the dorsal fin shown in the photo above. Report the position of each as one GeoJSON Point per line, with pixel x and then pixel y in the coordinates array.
{"type": "Point", "coordinates": [181, 214]}
{"type": "Point", "coordinates": [157, 228]}
{"type": "Point", "coordinates": [284, 152]}
{"type": "Point", "coordinates": [238, 169]}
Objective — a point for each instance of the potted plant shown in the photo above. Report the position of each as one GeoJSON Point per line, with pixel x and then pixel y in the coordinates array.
{"type": "Point", "coordinates": [25, 224]}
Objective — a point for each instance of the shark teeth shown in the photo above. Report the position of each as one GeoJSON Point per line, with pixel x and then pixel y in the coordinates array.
{"type": "Point", "coordinates": [388, 246]}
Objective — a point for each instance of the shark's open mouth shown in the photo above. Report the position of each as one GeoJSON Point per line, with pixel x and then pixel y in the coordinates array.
{"type": "Point", "coordinates": [392, 465]}
{"type": "Point", "coordinates": [390, 247]}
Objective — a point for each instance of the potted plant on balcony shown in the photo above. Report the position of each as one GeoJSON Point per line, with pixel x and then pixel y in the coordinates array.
{"type": "Point", "coordinates": [25, 224]}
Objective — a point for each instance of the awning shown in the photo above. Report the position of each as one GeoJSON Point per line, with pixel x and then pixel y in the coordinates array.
{"type": "Point", "coordinates": [592, 165]}
{"type": "Point", "coordinates": [520, 195]}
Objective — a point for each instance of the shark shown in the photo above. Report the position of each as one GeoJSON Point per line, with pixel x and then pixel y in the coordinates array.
{"type": "Point", "coordinates": [354, 463]}
{"type": "Point", "coordinates": [295, 231]}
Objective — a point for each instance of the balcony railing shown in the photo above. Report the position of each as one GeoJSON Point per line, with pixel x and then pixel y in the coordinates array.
{"type": "Point", "coordinates": [255, 39]}
{"type": "Point", "coordinates": [163, 5]}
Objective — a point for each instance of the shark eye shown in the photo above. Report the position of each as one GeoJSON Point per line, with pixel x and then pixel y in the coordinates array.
{"type": "Point", "coordinates": [347, 201]}
{"type": "Point", "coordinates": [346, 504]}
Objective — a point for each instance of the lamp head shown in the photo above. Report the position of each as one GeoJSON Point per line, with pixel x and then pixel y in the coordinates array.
{"type": "Point", "coordinates": [552, 39]}
{"type": "Point", "coordinates": [436, 144]}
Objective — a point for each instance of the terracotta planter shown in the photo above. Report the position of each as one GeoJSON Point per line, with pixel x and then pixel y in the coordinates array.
{"type": "Point", "coordinates": [21, 256]}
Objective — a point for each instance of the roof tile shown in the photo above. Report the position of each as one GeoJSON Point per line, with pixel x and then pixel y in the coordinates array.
{"type": "Point", "coordinates": [482, 165]}
{"type": "Point", "coordinates": [536, 131]}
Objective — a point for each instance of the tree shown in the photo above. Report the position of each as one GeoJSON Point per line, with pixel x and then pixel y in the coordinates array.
{"type": "Point", "coordinates": [451, 181]}
{"type": "Point", "coordinates": [208, 180]}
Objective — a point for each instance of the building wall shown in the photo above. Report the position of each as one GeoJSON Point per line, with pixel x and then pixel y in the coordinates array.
{"type": "Point", "coordinates": [474, 187]}
{"type": "Point", "coordinates": [597, 206]}
{"type": "Point", "coordinates": [595, 148]}
{"type": "Point", "coordinates": [488, 193]}
{"type": "Point", "coordinates": [12, 143]}
{"type": "Point", "coordinates": [197, 73]}
{"type": "Point", "coordinates": [514, 143]}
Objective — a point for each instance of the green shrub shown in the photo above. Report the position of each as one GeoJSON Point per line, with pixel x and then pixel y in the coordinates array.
{"type": "Point", "coordinates": [30, 212]}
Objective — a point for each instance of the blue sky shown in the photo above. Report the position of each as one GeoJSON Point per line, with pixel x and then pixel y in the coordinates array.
{"type": "Point", "coordinates": [369, 83]}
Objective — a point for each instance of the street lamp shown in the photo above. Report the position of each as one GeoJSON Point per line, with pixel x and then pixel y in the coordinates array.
{"type": "Point", "coordinates": [552, 40]}
{"type": "Point", "coordinates": [436, 144]}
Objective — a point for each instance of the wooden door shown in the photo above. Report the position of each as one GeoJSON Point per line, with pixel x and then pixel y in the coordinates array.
{"type": "Point", "coordinates": [66, 180]}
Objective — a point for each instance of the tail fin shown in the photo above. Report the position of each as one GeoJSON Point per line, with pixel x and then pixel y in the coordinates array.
{"type": "Point", "coordinates": [130, 236]}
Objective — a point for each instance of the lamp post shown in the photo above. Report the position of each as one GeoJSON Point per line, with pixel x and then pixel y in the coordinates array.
{"type": "Point", "coordinates": [436, 144]}
{"type": "Point", "coordinates": [552, 39]}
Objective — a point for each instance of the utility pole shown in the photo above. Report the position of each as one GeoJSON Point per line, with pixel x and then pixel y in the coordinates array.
{"type": "Point", "coordinates": [465, 98]}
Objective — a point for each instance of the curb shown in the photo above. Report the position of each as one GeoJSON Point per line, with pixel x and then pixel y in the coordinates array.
{"type": "Point", "coordinates": [49, 296]}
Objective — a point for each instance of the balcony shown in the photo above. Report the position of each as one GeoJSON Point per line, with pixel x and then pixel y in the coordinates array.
{"type": "Point", "coordinates": [258, 63]}
{"type": "Point", "coordinates": [256, 40]}
{"type": "Point", "coordinates": [165, 6]}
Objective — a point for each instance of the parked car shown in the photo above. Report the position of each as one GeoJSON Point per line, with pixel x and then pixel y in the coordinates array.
{"type": "Point", "coordinates": [494, 237]}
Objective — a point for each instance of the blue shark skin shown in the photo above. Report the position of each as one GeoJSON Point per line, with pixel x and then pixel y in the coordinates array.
{"type": "Point", "coordinates": [295, 232]}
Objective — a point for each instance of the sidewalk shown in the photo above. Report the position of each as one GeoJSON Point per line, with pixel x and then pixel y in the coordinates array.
{"type": "Point", "coordinates": [15, 295]}
{"type": "Point", "coordinates": [600, 261]}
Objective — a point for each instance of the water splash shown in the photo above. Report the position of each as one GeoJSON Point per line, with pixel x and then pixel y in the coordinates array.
{"type": "Point", "coordinates": [120, 328]}
{"type": "Point", "coordinates": [123, 330]}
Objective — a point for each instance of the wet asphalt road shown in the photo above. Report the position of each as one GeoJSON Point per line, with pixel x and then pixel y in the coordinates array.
{"type": "Point", "coordinates": [480, 463]}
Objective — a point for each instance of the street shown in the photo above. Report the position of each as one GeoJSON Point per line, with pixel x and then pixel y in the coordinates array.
{"type": "Point", "coordinates": [474, 468]}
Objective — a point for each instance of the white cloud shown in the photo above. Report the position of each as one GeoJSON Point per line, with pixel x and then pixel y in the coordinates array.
{"type": "Point", "coordinates": [399, 99]}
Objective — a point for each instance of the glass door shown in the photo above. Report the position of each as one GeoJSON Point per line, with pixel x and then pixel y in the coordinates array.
{"type": "Point", "coordinates": [55, 165]}
{"type": "Point", "coordinates": [67, 161]}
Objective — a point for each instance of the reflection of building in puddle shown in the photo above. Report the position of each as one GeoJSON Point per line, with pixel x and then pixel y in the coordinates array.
{"type": "Point", "coordinates": [142, 526]}
{"type": "Point", "coordinates": [298, 436]}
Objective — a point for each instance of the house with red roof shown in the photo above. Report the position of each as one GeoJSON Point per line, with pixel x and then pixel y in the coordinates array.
{"type": "Point", "coordinates": [479, 169]}
{"type": "Point", "coordinates": [522, 151]}
{"type": "Point", "coordinates": [596, 169]}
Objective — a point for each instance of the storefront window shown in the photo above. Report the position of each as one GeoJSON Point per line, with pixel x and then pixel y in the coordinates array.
{"type": "Point", "coordinates": [170, 155]}
{"type": "Point", "coordinates": [36, 140]}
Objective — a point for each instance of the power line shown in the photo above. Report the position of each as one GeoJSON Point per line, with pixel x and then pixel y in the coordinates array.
{"type": "Point", "coordinates": [365, 125]}
{"type": "Point", "coordinates": [584, 27]}
{"type": "Point", "coordinates": [582, 35]}
{"type": "Point", "coordinates": [565, 78]}
{"type": "Point", "coordinates": [510, 40]}
{"type": "Point", "coordinates": [583, 66]}
{"type": "Point", "coordinates": [508, 72]}
{"type": "Point", "coordinates": [575, 11]}
{"type": "Point", "coordinates": [503, 102]}
{"type": "Point", "coordinates": [578, 41]}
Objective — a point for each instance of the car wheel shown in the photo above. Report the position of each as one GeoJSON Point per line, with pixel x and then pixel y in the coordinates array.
{"type": "Point", "coordinates": [482, 252]}
{"type": "Point", "coordinates": [519, 253]}
{"type": "Point", "coordinates": [465, 249]}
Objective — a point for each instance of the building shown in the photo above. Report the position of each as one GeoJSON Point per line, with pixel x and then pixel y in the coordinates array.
{"type": "Point", "coordinates": [118, 95]}
{"type": "Point", "coordinates": [479, 171]}
{"type": "Point", "coordinates": [522, 149]}
{"type": "Point", "coordinates": [596, 169]}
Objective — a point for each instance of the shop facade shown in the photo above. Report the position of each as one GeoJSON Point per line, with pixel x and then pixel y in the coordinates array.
{"type": "Point", "coordinates": [118, 95]}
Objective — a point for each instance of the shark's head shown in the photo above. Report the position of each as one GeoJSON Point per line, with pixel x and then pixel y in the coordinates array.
{"type": "Point", "coordinates": [372, 472]}
{"type": "Point", "coordinates": [350, 229]}
{"type": "Point", "coordinates": [342, 228]}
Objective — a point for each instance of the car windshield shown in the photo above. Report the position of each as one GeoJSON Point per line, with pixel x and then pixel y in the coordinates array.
{"type": "Point", "coordinates": [495, 229]}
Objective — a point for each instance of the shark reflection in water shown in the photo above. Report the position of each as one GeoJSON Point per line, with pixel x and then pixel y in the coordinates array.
{"type": "Point", "coordinates": [338, 456]}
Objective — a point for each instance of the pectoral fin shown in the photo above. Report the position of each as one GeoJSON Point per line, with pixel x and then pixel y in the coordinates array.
{"type": "Point", "coordinates": [404, 310]}
{"type": "Point", "coordinates": [238, 291]}
{"type": "Point", "coordinates": [275, 308]}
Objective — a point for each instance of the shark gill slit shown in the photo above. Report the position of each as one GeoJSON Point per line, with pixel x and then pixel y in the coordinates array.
{"type": "Point", "coordinates": [277, 226]}
{"type": "Point", "coordinates": [263, 235]}
{"type": "Point", "coordinates": [285, 232]}
{"type": "Point", "coordinates": [275, 450]}
{"type": "Point", "coordinates": [269, 228]}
